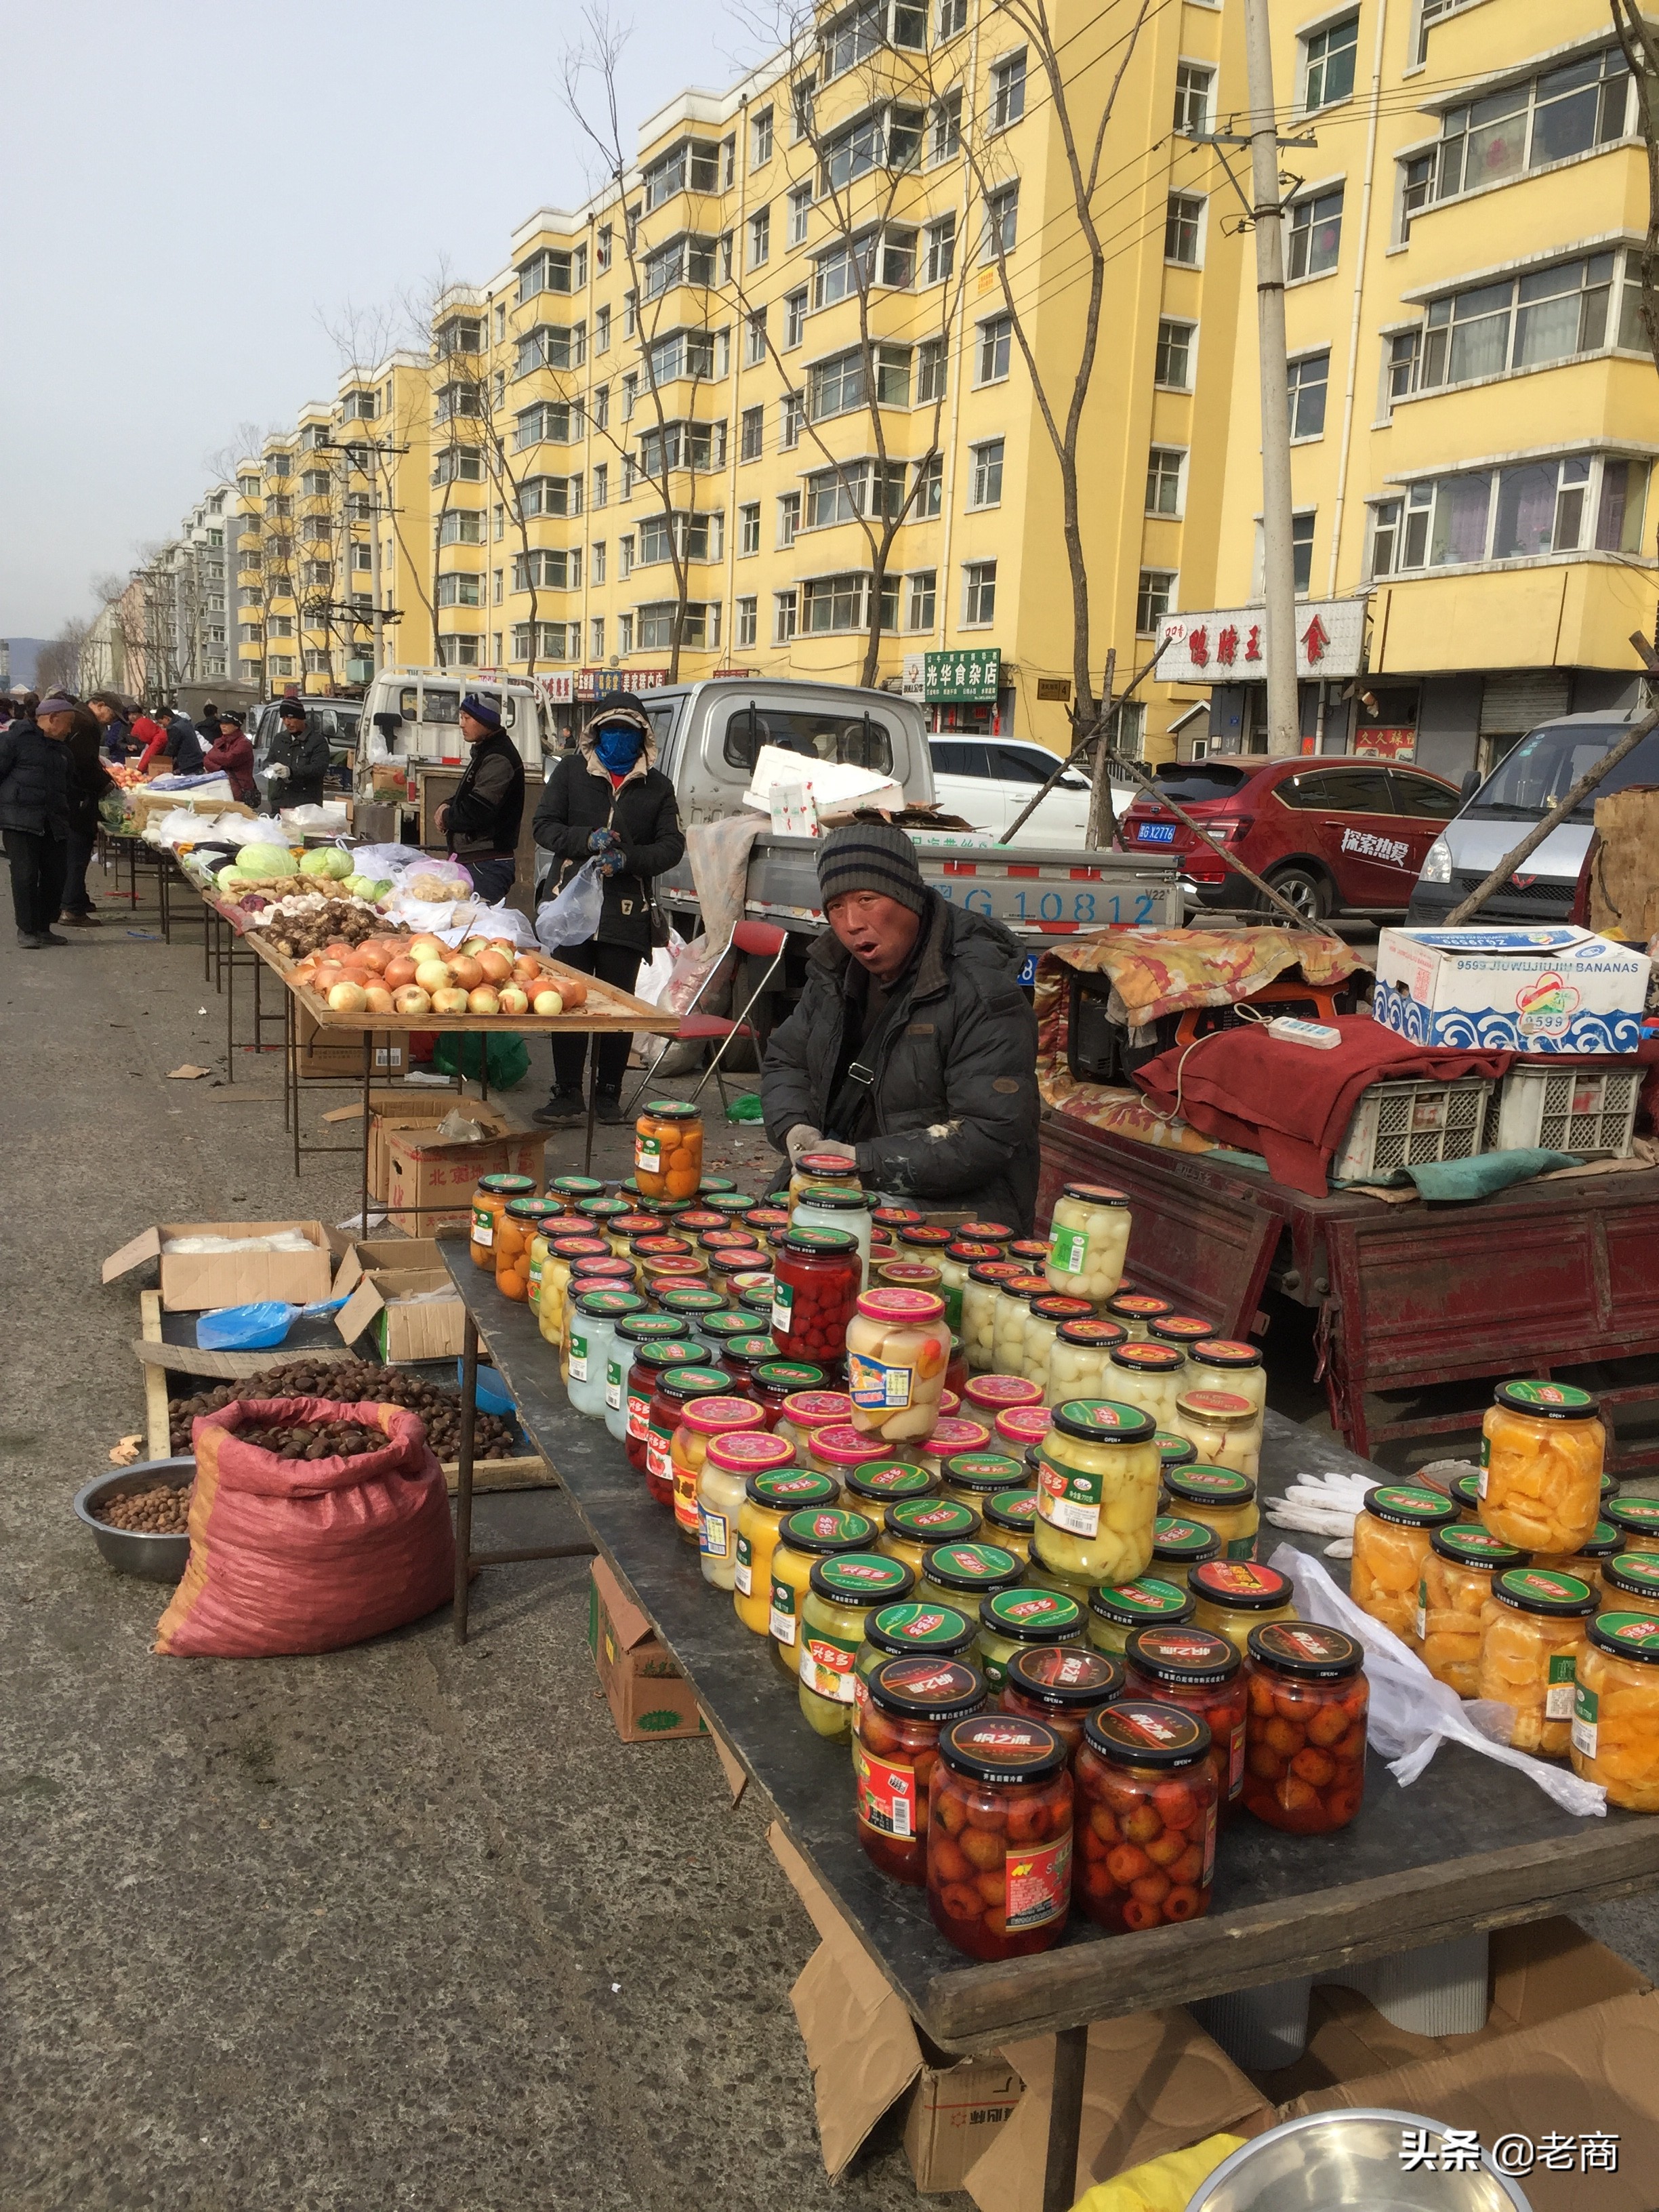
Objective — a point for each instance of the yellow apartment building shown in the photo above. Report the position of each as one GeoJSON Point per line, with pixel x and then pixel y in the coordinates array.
{"type": "Point", "coordinates": [1473, 411]}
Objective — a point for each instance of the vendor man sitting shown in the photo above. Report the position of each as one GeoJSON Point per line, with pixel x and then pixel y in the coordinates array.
{"type": "Point", "coordinates": [912, 1049]}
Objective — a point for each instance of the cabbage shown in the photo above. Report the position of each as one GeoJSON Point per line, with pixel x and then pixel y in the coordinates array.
{"type": "Point", "coordinates": [336, 864]}
{"type": "Point", "coordinates": [379, 889]}
{"type": "Point", "coordinates": [263, 864]}
{"type": "Point", "coordinates": [230, 879]}
{"type": "Point", "coordinates": [315, 863]}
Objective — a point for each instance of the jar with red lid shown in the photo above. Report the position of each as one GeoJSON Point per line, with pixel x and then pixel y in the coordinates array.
{"type": "Point", "coordinates": [894, 1218]}
{"type": "Point", "coordinates": [1181, 1330]}
{"type": "Point", "coordinates": [659, 1243]}
{"type": "Point", "coordinates": [1149, 1376]}
{"type": "Point", "coordinates": [1061, 1686]}
{"type": "Point", "coordinates": [650, 1362]}
{"type": "Point", "coordinates": [661, 1274]}
{"type": "Point", "coordinates": [1078, 1359]}
{"type": "Point", "coordinates": [675, 1387]}
{"type": "Point", "coordinates": [722, 1490]}
{"type": "Point", "coordinates": [774, 1381]}
{"type": "Point", "coordinates": [1010, 1317]}
{"type": "Point", "coordinates": [979, 1298]}
{"type": "Point", "coordinates": [726, 1262]}
{"type": "Point", "coordinates": [1147, 1812]}
{"type": "Point", "coordinates": [836, 1450]}
{"type": "Point", "coordinates": [701, 1420]}
{"type": "Point", "coordinates": [622, 1229]}
{"type": "Point", "coordinates": [905, 1702]}
{"type": "Point", "coordinates": [726, 1239]}
{"type": "Point", "coordinates": [816, 1275]}
{"type": "Point", "coordinates": [1304, 1753]}
{"type": "Point", "coordinates": [1234, 1596]}
{"type": "Point", "coordinates": [954, 1263]}
{"type": "Point", "coordinates": [950, 1435]}
{"type": "Point", "coordinates": [897, 1351]}
{"type": "Point", "coordinates": [767, 1221]}
{"type": "Point", "coordinates": [988, 1395]}
{"type": "Point", "coordinates": [1137, 1310]}
{"type": "Point", "coordinates": [999, 1233]}
{"type": "Point", "coordinates": [1019, 1429]}
{"type": "Point", "coordinates": [1000, 1836]}
{"type": "Point", "coordinates": [804, 1411]}
{"type": "Point", "coordinates": [875, 1485]}
{"type": "Point", "coordinates": [1042, 1326]}
{"type": "Point", "coordinates": [1225, 1362]}
{"type": "Point", "coordinates": [698, 1219]}
{"type": "Point", "coordinates": [1194, 1668]}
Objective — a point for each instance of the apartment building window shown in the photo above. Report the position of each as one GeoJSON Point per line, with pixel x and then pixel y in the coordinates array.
{"type": "Point", "coordinates": [683, 260]}
{"type": "Point", "coordinates": [314, 484]}
{"type": "Point", "coordinates": [460, 526]}
{"type": "Point", "coordinates": [945, 128]}
{"type": "Point", "coordinates": [282, 626]}
{"type": "Point", "coordinates": [794, 320]}
{"type": "Point", "coordinates": [548, 569]}
{"type": "Point", "coordinates": [760, 138]}
{"type": "Point", "coordinates": [1316, 238]}
{"type": "Point", "coordinates": [887, 137]}
{"type": "Point", "coordinates": [1184, 228]}
{"type": "Point", "coordinates": [454, 466]}
{"type": "Point", "coordinates": [316, 659]}
{"type": "Point", "coordinates": [1008, 90]}
{"type": "Point", "coordinates": [835, 386]}
{"type": "Point", "coordinates": [837, 274]}
{"type": "Point", "coordinates": [920, 598]}
{"type": "Point", "coordinates": [1309, 378]}
{"type": "Point", "coordinates": [604, 240]}
{"type": "Point", "coordinates": [930, 370]}
{"type": "Point", "coordinates": [746, 622]}
{"type": "Point", "coordinates": [728, 160]}
{"type": "Point", "coordinates": [547, 271]}
{"type": "Point", "coordinates": [552, 422]}
{"type": "Point", "coordinates": [625, 635]}
{"type": "Point", "coordinates": [546, 640]}
{"type": "Point", "coordinates": [499, 517]}
{"type": "Point", "coordinates": [1166, 467]}
{"type": "Point", "coordinates": [1153, 595]}
{"type": "Point", "coordinates": [1001, 222]}
{"type": "Point", "coordinates": [363, 556]}
{"type": "Point", "coordinates": [1194, 89]}
{"type": "Point", "coordinates": [248, 487]}
{"type": "Point", "coordinates": [996, 338]}
{"type": "Point", "coordinates": [625, 555]}
{"type": "Point", "coordinates": [788, 518]}
{"type": "Point", "coordinates": [792, 420]}
{"type": "Point", "coordinates": [751, 435]}
{"type": "Point", "coordinates": [596, 637]}
{"type": "Point", "coordinates": [281, 664]}
{"type": "Point", "coordinates": [630, 314]}
{"type": "Point", "coordinates": [760, 238]}
{"type": "Point", "coordinates": [629, 469]}
{"type": "Point", "coordinates": [1172, 362]}
{"type": "Point", "coordinates": [497, 387]}
{"type": "Point", "coordinates": [748, 528]}
{"type": "Point", "coordinates": [596, 561]}
{"type": "Point", "coordinates": [692, 166]}
{"type": "Point", "coordinates": [1546, 119]}
{"type": "Point", "coordinates": [250, 596]}
{"type": "Point", "coordinates": [1327, 61]}
{"type": "Point", "coordinates": [938, 249]}
{"type": "Point", "coordinates": [1553, 505]}
{"type": "Point", "coordinates": [278, 464]}
{"type": "Point", "coordinates": [1525, 322]}
{"type": "Point", "coordinates": [630, 392]}
{"type": "Point", "coordinates": [930, 487]}
{"type": "Point", "coordinates": [831, 604]}
{"type": "Point", "coordinates": [952, 18]}
{"type": "Point", "coordinates": [248, 634]}
{"type": "Point", "coordinates": [497, 585]}
{"type": "Point", "coordinates": [700, 626]}
{"type": "Point", "coordinates": [1302, 549]}
{"type": "Point", "coordinates": [979, 595]}
{"type": "Point", "coordinates": [800, 209]}
{"type": "Point", "coordinates": [754, 338]}
{"type": "Point", "coordinates": [601, 483]}
{"type": "Point", "coordinates": [599, 399]}
{"type": "Point", "coordinates": [986, 473]}
{"type": "Point", "coordinates": [455, 591]}
{"type": "Point", "coordinates": [682, 354]}
{"type": "Point", "coordinates": [785, 615]}
{"type": "Point", "coordinates": [855, 489]}
{"type": "Point", "coordinates": [726, 244]}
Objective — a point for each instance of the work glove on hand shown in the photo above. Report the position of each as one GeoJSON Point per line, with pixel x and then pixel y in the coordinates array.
{"type": "Point", "coordinates": [803, 1138]}
{"type": "Point", "coordinates": [602, 841]}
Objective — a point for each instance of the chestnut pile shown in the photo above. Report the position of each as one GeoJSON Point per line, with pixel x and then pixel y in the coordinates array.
{"type": "Point", "coordinates": [315, 1439]}
{"type": "Point", "coordinates": [353, 1381]}
{"type": "Point", "coordinates": [161, 1511]}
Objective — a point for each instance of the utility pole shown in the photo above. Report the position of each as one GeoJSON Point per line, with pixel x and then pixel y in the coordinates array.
{"type": "Point", "coordinates": [374, 552]}
{"type": "Point", "coordinates": [1278, 574]}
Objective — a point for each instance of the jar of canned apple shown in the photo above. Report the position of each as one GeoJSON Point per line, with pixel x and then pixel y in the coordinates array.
{"type": "Point", "coordinates": [1097, 1491]}
{"type": "Point", "coordinates": [1088, 1240]}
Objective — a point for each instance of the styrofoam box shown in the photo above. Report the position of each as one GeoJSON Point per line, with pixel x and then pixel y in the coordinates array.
{"type": "Point", "coordinates": [1547, 990]}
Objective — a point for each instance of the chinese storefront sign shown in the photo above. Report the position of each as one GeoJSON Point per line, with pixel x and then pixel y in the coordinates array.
{"type": "Point", "coordinates": [970, 676]}
{"type": "Point", "coordinates": [1228, 645]}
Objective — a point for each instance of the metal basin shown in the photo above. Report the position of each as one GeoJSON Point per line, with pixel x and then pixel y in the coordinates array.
{"type": "Point", "coordinates": [1330, 2159]}
{"type": "Point", "coordinates": [157, 1558]}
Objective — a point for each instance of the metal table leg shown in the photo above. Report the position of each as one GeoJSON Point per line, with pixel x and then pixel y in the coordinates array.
{"type": "Point", "coordinates": [1065, 2119]}
{"type": "Point", "coordinates": [230, 1009]}
{"type": "Point", "coordinates": [463, 1474]}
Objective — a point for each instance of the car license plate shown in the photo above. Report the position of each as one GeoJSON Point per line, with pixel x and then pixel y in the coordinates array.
{"type": "Point", "coordinates": [1157, 833]}
{"type": "Point", "coordinates": [1028, 968]}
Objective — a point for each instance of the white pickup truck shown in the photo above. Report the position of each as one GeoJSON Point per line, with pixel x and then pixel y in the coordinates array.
{"type": "Point", "coordinates": [709, 733]}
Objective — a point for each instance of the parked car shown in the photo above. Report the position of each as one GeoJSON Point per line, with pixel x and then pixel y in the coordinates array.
{"type": "Point", "coordinates": [1331, 836]}
{"type": "Point", "coordinates": [1532, 777]}
{"type": "Point", "coordinates": [339, 717]}
{"type": "Point", "coordinates": [989, 781]}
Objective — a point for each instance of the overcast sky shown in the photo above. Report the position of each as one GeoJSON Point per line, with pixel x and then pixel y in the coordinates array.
{"type": "Point", "coordinates": [191, 191]}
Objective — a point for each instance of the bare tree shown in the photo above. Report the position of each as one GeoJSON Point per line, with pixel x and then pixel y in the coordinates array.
{"type": "Point", "coordinates": [58, 666]}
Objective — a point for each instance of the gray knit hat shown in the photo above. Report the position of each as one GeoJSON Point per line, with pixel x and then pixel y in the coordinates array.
{"type": "Point", "coordinates": [871, 856]}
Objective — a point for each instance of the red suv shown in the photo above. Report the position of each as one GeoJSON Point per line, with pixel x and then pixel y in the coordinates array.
{"type": "Point", "coordinates": [1331, 836]}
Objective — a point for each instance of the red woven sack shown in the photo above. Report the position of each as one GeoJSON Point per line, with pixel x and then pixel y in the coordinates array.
{"type": "Point", "coordinates": [291, 1556]}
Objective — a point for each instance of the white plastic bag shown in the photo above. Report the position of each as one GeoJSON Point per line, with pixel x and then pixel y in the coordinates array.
{"type": "Point", "coordinates": [654, 976]}
{"type": "Point", "coordinates": [574, 916]}
{"type": "Point", "coordinates": [1410, 1711]}
{"type": "Point", "coordinates": [504, 921]}
{"type": "Point", "coordinates": [378, 860]}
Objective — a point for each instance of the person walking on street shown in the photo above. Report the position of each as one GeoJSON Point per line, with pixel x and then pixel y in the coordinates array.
{"type": "Point", "coordinates": [231, 754]}
{"type": "Point", "coordinates": [608, 799]}
{"type": "Point", "coordinates": [207, 728]}
{"type": "Point", "coordinates": [912, 1049]}
{"type": "Point", "coordinates": [34, 815]}
{"type": "Point", "coordinates": [89, 780]}
{"type": "Point", "coordinates": [481, 823]}
{"type": "Point", "coordinates": [299, 758]}
{"type": "Point", "coordinates": [109, 710]}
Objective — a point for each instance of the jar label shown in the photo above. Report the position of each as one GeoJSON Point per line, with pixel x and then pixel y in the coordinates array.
{"type": "Point", "coordinates": [1585, 1713]}
{"type": "Point", "coordinates": [1068, 1249]}
{"type": "Point", "coordinates": [743, 1575]}
{"type": "Point", "coordinates": [658, 1461]}
{"type": "Point", "coordinates": [578, 1357]}
{"type": "Point", "coordinates": [826, 1667]}
{"type": "Point", "coordinates": [874, 1388]}
{"type": "Point", "coordinates": [1559, 1697]}
{"type": "Point", "coordinates": [1236, 1761]}
{"type": "Point", "coordinates": [1422, 1610]}
{"type": "Point", "coordinates": [639, 1417]}
{"type": "Point", "coordinates": [886, 1794]}
{"type": "Point", "coordinates": [714, 1533]}
{"type": "Point", "coordinates": [1039, 1885]}
{"type": "Point", "coordinates": [781, 1617]}
{"type": "Point", "coordinates": [1068, 1499]}
{"type": "Point", "coordinates": [685, 1501]}
{"type": "Point", "coordinates": [483, 1227]}
{"type": "Point", "coordinates": [648, 1155]}
{"type": "Point", "coordinates": [783, 1300]}
{"type": "Point", "coordinates": [613, 1387]}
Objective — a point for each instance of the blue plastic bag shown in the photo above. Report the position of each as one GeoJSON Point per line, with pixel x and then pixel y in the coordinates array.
{"type": "Point", "coordinates": [256, 1328]}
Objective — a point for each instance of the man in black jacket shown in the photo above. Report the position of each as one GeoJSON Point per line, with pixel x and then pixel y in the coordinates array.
{"type": "Point", "coordinates": [34, 816]}
{"type": "Point", "coordinates": [912, 1048]}
{"type": "Point", "coordinates": [298, 760]}
{"type": "Point", "coordinates": [608, 799]}
{"type": "Point", "coordinates": [481, 822]}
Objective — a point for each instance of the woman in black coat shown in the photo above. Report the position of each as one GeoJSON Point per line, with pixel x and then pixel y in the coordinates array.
{"type": "Point", "coordinates": [608, 799]}
{"type": "Point", "coordinates": [89, 780]}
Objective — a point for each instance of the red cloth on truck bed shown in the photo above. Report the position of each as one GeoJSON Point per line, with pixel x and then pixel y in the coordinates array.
{"type": "Point", "coordinates": [1290, 1103]}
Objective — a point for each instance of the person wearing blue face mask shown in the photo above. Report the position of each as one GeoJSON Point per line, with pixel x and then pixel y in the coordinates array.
{"type": "Point", "coordinates": [607, 799]}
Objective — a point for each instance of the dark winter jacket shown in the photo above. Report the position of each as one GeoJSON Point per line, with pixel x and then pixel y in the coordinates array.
{"type": "Point", "coordinates": [88, 779]}
{"type": "Point", "coordinates": [232, 757]}
{"type": "Point", "coordinates": [305, 758]}
{"type": "Point", "coordinates": [117, 738]}
{"type": "Point", "coordinates": [34, 780]}
{"type": "Point", "coordinates": [184, 747]}
{"type": "Point", "coordinates": [954, 1055]}
{"type": "Point", "coordinates": [579, 798]}
{"type": "Point", "coordinates": [489, 803]}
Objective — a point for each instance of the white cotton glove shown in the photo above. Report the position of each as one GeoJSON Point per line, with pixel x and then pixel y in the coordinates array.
{"type": "Point", "coordinates": [1323, 1506]}
{"type": "Point", "coordinates": [803, 1138]}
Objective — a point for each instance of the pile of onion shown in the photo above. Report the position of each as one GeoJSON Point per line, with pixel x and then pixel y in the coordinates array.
{"type": "Point", "coordinates": [420, 976]}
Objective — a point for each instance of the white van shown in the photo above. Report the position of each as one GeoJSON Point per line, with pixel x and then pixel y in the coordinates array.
{"type": "Point", "coordinates": [415, 714]}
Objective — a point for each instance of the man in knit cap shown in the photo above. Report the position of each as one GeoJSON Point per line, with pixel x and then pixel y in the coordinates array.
{"type": "Point", "coordinates": [912, 1049]}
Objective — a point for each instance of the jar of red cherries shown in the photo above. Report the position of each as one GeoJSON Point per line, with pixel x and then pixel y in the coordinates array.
{"type": "Point", "coordinates": [905, 1703]}
{"type": "Point", "coordinates": [675, 1387]}
{"type": "Point", "coordinates": [1147, 1815]}
{"type": "Point", "coordinates": [652, 1360]}
{"type": "Point", "coordinates": [1304, 1753]}
{"type": "Point", "coordinates": [1194, 1668]}
{"type": "Point", "coordinates": [1000, 1836]}
{"type": "Point", "coordinates": [818, 1274]}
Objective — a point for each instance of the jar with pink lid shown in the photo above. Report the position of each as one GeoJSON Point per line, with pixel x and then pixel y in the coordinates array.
{"type": "Point", "coordinates": [898, 1349]}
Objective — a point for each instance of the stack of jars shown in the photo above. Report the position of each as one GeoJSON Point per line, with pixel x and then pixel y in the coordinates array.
{"type": "Point", "coordinates": [489, 1200]}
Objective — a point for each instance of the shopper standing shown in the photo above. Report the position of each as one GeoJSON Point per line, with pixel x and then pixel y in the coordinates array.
{"type": "Point", "coordinates": [34, 815]}
{"type": "Point", "coordinates": [89, 780]}
{"type": "Point", "coordinates": [299, 758]}
{"type": "Point", "coordinates": [608, 800]}
{"type": "Point", "coordinates": [481, 822]}
{"type": "Point", "coordinates": [231, 754]}
{"type": "Point", "coordinates": [109, 710]}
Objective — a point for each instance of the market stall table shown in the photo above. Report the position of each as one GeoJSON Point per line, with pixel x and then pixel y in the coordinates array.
{"type": "Point", "coordinates": [1470, 1846]}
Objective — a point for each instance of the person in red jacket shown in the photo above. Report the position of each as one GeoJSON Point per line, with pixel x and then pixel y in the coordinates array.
{"type": "Point", "coordinates": [231, 754]}
{"type": "Point", "coordinates": [152, 737]}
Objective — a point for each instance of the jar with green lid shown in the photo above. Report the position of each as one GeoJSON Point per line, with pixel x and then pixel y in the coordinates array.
{"type": "Point", "coordinates": [627, 1335]}
{"type": "Point", "coordinates": [1117, 1609]}
{"type": "Point", "coordinates": [1630, 1583]}
{"type": "Point", "coordinates": [1040, 1577]}
{"type": "Point", "coordinates": [1604, 1542]}
{"type": "Point", "coordinates": [1010, 1516]}
{"type": "Point", "coordinates": [820, 1206]}
{"type": "Point", "coordinates": [804, 1411]}
{"type": "Point", "coordinates": [1391, 1547]}
{"type": "Point", "coordinates": [1011, 1311]}
{"type": "Point", "coordinates": [1225, 1362]}
{"type": "Point", "coordinates": [974, 1477]}
{"type": "Point", "coordinates": [672, 1461]}
{"type": "Point", "coordinates": [841, 1592]}
{"type": "Point", "coordinates": [1224, 1500]}
{"type": "Point", "coordinates": [562, 1253]}
{"type": "Point", "coordinates": [754, 1291]}
{"type": "Point", "coordinates": [820, 1532]}
{"type": "Point", "coordinates": [1542, 1446]}
{"type": "Point", "coordinates": [908, 1700]}
{"type": "Point", "coordinates": [601, 1207]}
{"type": "Point", "coordinates": [1045, 1315]}
{"type": "Point", "coordinates": [1021, 1619]}
{"type": "Point", "coordinates": [651, 1362]}
{"type": "Point", "coordinates": [825, 1171]}
{"type": "Point", "coordinates": [1179, 1545]}
{"type": "Point", "coordinates": [979, 1299]}
{"type": "Point", "coordinates": [874, 1486]}
{"type": "Point", "coordinates": [1531, 1630]}
{"type": "Point", "coordinates": [911, 1528]}
{"type": "Point", "coordinates": [1451, 1600]}
{"type": "Point", "coordinates": [951, 1437]}
{"type": "Point", "coordinates": [1233, 1596]}
{"type": "Point", "coordinates": [489, 1197]}
{"type": "Point", "coordinates": [768, 1501]}
{"type": "Point", "coordinates": [954, 1262]}
{"type": "Point", "coordinates": [1062, 1684]}
{"type": "Point", "coordinates": [722, 1488]}
{"type": "Point", "coordinates": [1149, 1376]}
{"type": "Point", "coordinates": [517, 1225]}
{"type": "Point", "coordinates": [590, 1341]}
{"type": "Point", "coordinates": [1222, 1428]}
{"type": "Point", "coordinates": [1137, 1310]}
{"type": "Point", "coordinates": [717, 1325]}
{"type": "Point", "coordinates": [1174, 1450]}
{"type": "Point", "coordinates": [1088, 1241]}
{"type": "Point", "coordinates": [1078, 1359]}
{"type": "Point", "coordinates": [1097, 1491]}
{"type": "Point", "coordinates": [720, 1191]}
{"type": "Point", "coordinates": [958, 1574]}
{"type": "Point", "coordinates": [1637, 1520]}
{"type": "Point", "coordinates": [910, 1629]}
{"type": "Point", "coordinates": [1466, 1496]}
{"type": "Point", "coordinates": [774, 1381]}
{"type": "Point", "coordinates": [1615, 1727]}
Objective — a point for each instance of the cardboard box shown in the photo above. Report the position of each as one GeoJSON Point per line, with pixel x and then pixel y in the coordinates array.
{"type": "Point", "coordinates": [649, 1698]}
{"type": "Point", "coordinates": [361, 1256]}
{"type": "Point", "coordinates": [414, 1108]}
{"type": "Point", "coordinates": [1552, 989]}
{"type": "Point", "coordinates": [423, 1171]}
{"type": "Point", "coordinates": [321, 1051]}
{"type": "Point", "coordinates": [432, 1329]}
{"type": "Point", "coordinates": [196, 1282]}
